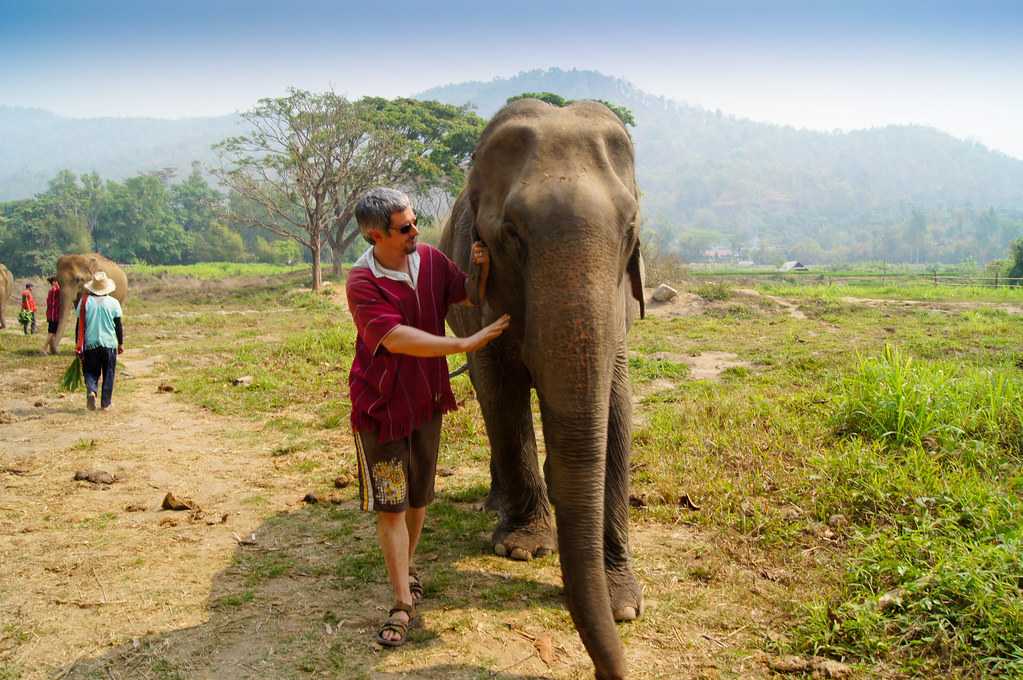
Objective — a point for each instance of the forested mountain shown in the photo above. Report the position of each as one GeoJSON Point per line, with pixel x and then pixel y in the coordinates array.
{"type": "Point", "coordinates": [35, 145]}
{"type": "Point", "coordinates": [709, 180]}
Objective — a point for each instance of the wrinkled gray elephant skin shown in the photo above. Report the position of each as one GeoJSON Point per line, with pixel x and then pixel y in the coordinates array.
{"type": "Point", "coordinates": [552, 192]}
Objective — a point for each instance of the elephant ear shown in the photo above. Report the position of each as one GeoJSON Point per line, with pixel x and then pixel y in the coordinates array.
{"type": "Point", "coordinates": [93, 265]}
{"type": "Point", "coordinates": [636, 276]}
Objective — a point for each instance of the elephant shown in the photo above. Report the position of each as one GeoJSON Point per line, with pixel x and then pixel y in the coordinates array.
{"type": "Point", "coordinates": [73, 271]}
{"type": "Point", "coordinates": [552, 193]}
{"type": "Point", "coordinates": [6, 290]}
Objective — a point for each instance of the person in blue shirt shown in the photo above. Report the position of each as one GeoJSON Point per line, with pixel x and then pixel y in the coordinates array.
{"type": "Point", "coordinates": [100, 338]}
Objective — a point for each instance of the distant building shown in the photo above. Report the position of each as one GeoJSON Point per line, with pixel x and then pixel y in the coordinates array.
{"type": "Point", "coordinates": [793, 266]}
{"type": "Point", "coordinates": [718, 253]}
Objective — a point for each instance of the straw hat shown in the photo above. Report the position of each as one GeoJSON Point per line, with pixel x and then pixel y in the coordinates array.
{"type": "Point", "coordinates": [101, 284]}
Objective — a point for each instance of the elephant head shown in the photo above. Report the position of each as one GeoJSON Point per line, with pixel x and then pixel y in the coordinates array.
{"type": "Point", "coordinates": [73, 272]}
{"type": "Point", "coordinates": [552, 192]}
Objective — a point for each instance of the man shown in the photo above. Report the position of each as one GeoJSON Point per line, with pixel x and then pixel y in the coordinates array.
{"type": "Point", "coordinates": [399, 294]}
{"type": "Point", "coordinates": [27, 316]}
{"type": "Point", "coordinates": [52, 310]}
{"type": "Point", "coordinates": [99, 338]}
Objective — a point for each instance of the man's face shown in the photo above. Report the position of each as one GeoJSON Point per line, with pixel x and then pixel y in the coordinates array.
{"type": "Point", "coordinates": [403, 232]}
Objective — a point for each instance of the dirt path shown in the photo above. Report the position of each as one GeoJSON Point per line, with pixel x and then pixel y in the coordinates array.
{"type": "Point", "coordinates": [98, 582]}
{"type": "Point", "coordinates": [935, 306]}
{"type": "Point", "coordinates": [73, 549]}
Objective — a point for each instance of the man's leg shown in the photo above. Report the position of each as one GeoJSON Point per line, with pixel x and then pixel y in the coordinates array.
{"type": "Point", "coordinates": [424, 445]}
{"type": "Point", "coordinates": [414, 520]}
{"type": "Point", "coordinates": [393, 535]}
{"type": "Point", "coordinates": [91, 369]}
{"type": "Point", "coordinates": [33, 323]}
{"type": "Point", "coordinates": [109, 369]}
{"type": "Point", "coordinates": [383, 488]}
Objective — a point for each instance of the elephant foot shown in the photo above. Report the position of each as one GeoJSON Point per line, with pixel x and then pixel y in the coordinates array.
{"type": "Point", "coordinates": [626, 594]}
{"type": "Point", "coordinates": [525, 542]}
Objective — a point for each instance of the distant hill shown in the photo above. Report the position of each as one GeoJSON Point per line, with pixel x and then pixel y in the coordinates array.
{"type": "Point", "coordinates": [36, 144]}
{"type": "Point", "coordinates": [709, 169]}
{"type": "Point", "coordinates": [707, 178]}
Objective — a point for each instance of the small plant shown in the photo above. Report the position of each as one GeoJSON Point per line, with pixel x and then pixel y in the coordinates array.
{"type": "Point", "coordinates": [714, 292]}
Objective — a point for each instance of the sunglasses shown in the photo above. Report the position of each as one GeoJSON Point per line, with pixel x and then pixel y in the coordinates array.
{"type": "Point", "coordinates": [407, 227]}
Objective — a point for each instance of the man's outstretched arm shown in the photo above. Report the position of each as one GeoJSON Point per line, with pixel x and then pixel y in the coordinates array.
{"type": "Point", "coordinates": [414, 342]}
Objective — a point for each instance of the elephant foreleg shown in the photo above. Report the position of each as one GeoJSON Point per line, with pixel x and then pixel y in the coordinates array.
{"type": "Point", "coordinates": [624, 589]}
{"type": "Point", "coordinates": [517, 491]}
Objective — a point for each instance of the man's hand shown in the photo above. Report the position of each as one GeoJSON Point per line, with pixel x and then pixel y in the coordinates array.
{"type": "Point", "coordinates": [482, 338]}
{"type": "Point", "coordinates": [120, 349]}
{"type": "Point", "coordinates": [481, 254]}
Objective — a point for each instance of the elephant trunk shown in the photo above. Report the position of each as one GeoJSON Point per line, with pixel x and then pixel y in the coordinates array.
{"type": "Point", "coordinates": [569, 349]}
{"type": "Point", "coordinates": [66, 315]}
{"type": "Point", "coordinates": [576, 448]}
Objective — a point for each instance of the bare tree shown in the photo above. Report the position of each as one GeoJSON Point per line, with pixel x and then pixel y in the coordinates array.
{"type": "Point", "coordinates": [286, 169]}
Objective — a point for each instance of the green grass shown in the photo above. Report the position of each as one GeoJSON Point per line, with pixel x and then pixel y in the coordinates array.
{"type": "Point", "coordinates": [215, 270]}
{"type": "Point", "coordinates": [714, 291]}
{"type": "Point", "coordinates": [907, 422]}
{"type": "Point", "coordinates": [928, 472]}
{"type": "Point", "coordinates": [894, 399]}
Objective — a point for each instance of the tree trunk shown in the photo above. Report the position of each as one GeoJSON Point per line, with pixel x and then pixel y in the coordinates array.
{"type": "Point", "coordinates": [337, 265]}
{"type": "Point", "coordinates": [317, 272]}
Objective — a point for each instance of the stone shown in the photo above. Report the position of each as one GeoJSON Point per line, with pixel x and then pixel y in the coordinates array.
{"type": "Point", "coordinates": [242, 381]}
{"type": "Point", "coordinates": [94, 477]}
{"type": "Point", "coordinates": [172, 502]}
{"type": "Point", "coordinates": [664, 293]}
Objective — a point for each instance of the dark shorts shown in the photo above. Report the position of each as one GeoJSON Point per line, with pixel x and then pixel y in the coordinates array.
{"type": "Point", "coordinates": [51, 326]}
{"type": "Point", "coordinates": [399, 474]}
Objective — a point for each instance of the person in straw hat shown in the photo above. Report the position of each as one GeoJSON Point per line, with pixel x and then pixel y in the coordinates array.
{"type": "Point", "coordinates": [99, 338]}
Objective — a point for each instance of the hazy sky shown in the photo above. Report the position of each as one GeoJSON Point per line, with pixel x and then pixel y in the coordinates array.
{"type": "Point", "coordinates": [822, 65]}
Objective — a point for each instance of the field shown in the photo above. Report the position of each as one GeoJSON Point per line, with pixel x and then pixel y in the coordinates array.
{"type": "Point", "coordinates": [821, 482]}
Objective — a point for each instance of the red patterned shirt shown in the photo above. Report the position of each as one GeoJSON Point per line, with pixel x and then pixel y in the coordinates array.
{"type": "Point", "coordinates": [53, 304]}
{"type": "Point", "coordinates": [28, 301]}
{"type": "Point", "coordinates": [393, 394]}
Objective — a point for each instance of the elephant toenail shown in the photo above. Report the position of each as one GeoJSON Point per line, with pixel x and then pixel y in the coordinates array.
{"type": "Point", "coordinates": [625, 614]}
{"type": "Point", "coordinates": [499, 549]}
{"type": "Point", "coordinates": [521, 554]}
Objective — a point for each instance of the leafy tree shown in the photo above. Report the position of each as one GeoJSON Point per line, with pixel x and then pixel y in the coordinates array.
{"type": "Point", "coordinates": [309, 158]}
{"type": "Point", "coordinates": [624, 114]}
{"type": "Point", "coordinates": [286, 170]}
{"type": "Point", "coordinates": [194, 202]}
{"type": "Point", "coordinates": [422, 146]}
{"type": "Point", "coordinates": [38, 231]}
{"type": "Point", "coordinates": [137, 223]}
{"type": "Point", "coordinates": [219, 243]}
{"type": "Point", "coordinates": [1016, 258]}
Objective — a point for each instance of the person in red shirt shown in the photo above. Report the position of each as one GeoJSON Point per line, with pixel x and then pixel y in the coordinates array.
{"type": "Point", "coordinates": [52, 310]}
{"type": "Point", "coordinates": [28, 309]}
{"type": "Point", "coordinates": [399, 293]}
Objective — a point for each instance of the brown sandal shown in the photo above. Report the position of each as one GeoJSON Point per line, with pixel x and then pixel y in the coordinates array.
{"type": "Point", "coordinates": [396, 625]}
{"type": "Point", "coordinates": [415, 586]}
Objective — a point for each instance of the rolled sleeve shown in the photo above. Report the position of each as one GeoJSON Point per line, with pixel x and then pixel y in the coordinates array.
{"type": "Point", "coordinates": [374, 316]}
{"type": "Point", "coordinates": [456, 279]}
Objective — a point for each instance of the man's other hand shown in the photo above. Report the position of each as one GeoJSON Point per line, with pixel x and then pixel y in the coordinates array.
{"type": "Point", "coordinates": [482, 338]}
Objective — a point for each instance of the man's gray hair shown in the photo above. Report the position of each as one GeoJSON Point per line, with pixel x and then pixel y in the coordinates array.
{"type": "Point", "coordinates": [374, 209]}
